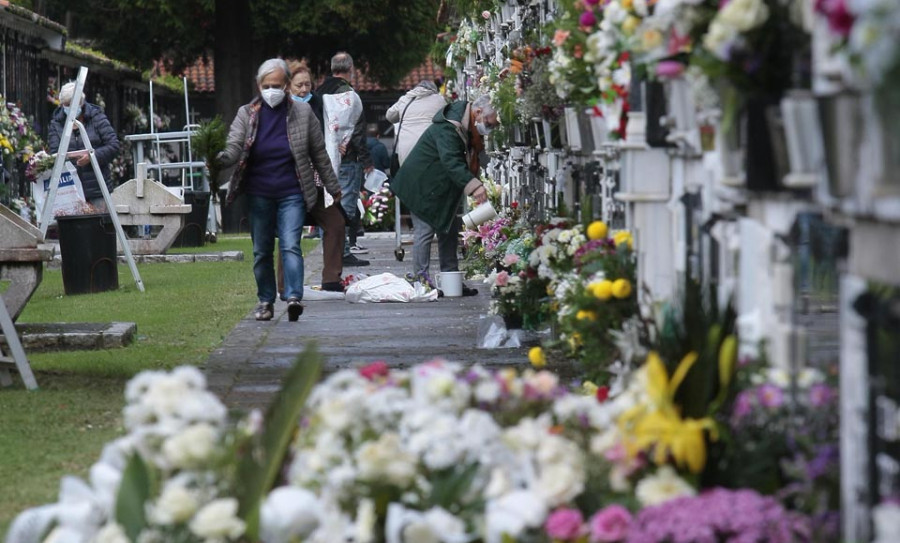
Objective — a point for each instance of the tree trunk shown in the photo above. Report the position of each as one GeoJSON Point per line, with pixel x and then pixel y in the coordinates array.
{"type": "Point", "coordinates": [233, 57]}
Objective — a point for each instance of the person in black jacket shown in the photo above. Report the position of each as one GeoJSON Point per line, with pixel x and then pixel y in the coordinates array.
{"type": "Point", "coordinates": [101, 135]}
{"type": "Point", "coordinates": [355, 160]}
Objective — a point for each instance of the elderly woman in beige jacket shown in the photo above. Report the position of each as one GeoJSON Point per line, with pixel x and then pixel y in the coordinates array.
{"type": "Point", "coordinates": [424, 101]}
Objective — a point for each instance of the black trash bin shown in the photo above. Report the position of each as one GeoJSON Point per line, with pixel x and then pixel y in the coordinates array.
{"type": "Point", "coordinates": [194, 232]}
{"type": "Point", "coordinates": [87, 245]}
{"type": "Point", "coordinates": [234, 216]}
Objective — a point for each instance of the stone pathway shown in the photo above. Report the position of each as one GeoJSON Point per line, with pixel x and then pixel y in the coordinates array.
{"type": "Point", "coordinates": [246, 370]}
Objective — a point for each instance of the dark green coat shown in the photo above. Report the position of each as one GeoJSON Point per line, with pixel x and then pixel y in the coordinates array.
{"type": "Point", "coordinates": [435, 175]}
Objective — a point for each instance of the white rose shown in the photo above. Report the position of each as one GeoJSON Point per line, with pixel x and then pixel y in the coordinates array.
{"type": "Point", "coordinates": [192, 447]}
{"type": "Point", "coordinates": [744, 15]}
{"type": "Point", "coordinates": [661, 487]}
{"type": "Point", "coordinates": [559, 483]}
{"type": "Point", "coordinates": [218, 520]}
{"type": "Point", "coordinates": [175, 505]}
{"type": "Point", "coordinates": [719, 39]}
{"type": "Point", "coordinates": [487, 391]}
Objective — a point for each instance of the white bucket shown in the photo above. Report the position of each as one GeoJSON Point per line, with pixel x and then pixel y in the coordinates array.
{"type": "Point", "coordinates": [451, 283]}
{"type": "Point", "coordinates": [479, 215]}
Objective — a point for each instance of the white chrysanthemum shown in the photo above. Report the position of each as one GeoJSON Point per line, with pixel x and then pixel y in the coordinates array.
{"type": "Point", "coordinates": [192, 447]}
{"type": "Point", "coordinates": [218, 520]}
{"type": "Point", "coordinates": [661, 487]}
{"type": "Point", "coordinates": [176, 504]}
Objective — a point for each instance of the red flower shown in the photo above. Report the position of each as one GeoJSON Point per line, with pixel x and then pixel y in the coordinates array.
{"type": "Point", "coordinates": [514, 205]}
{"type": "Point", "coordinates": [602, 393]}
{"type": "Point", "coordinates": [375, 369]}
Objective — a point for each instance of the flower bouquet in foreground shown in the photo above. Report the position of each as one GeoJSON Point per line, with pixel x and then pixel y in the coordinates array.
{"type": "Point", "coordinates": [441, 452]}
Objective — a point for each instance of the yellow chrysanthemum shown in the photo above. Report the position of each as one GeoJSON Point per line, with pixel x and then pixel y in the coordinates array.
{"type": "Point", "coordinates": [584, 314]}
{"type": "Point", "coordinates": [621, 288]}
{"type": "Point", "coordinates": [597, 230]}
{"type": "Point", "coordinates": [537, 357]}
{"type": "Point", "coordinates": [630, 25]}
{"type": "Point", "coordinates": [602, 290]}
{"type": "Point", "coordinates": [623, 237]}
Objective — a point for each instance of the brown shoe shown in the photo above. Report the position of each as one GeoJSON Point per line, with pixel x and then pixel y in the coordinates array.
{"type": "Point", "coordinates": [264, 311]}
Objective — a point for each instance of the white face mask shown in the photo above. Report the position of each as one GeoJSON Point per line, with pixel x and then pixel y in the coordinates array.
{"type": "Point", "coordinates": [273, 97]}
{"type": "Point", "coordinates": [482, 128]}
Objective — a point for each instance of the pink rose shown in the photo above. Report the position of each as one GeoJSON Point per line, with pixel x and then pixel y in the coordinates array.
{"type": "Point", "coordinates": [610, 524]}
{"type": "Point", "coordinates": [502, 278]}
{"type": "Point", "coordinates": [375, 369]}
{"type": "Point", "coordinates": [509, 260]}
{"type": "Point", "coordinates": [564, 524]}
{"type": "Point", "coordinates": [486, 14]}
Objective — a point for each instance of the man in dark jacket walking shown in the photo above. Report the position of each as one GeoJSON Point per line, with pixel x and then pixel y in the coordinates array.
{"type": "Point", "coordinates": [438, 172]}
{"type": "Point", "coordinates": [355, 160]}
{"type": "Point", "coordinates": [101, 135]}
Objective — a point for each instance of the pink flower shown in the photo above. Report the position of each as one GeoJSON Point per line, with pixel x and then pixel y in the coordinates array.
{"type": "Point", "coordinates": [770, 396]}
{"type": "Point", "coordinates": [669, 68]}
{"type": "Point", "coordinates": [820, 395]}
{"type": "Point", "coordinates": [587, 19]}
{"type": "Point", "coordinates": [510, 259]}
{"type": "Point", "coordinates": [502, 278]}
{"type": "Point", "coordinates": [610, 524]}
{"type": "Point", "coordinates": [840, 20]}
{"type": "Point", "coordinates": [592, 2]}
{"type": "Point", "coordinates": [485, 14]}
{"type": "Point", "coordinates": [560, 37]}
{"type": "Point", "coordinates": [375, 369]}
{"type": "Point", "coordinates": [564, 524]}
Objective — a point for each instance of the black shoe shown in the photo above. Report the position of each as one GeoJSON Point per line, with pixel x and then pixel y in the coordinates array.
{"type": "Point", "coordinates": [336, 286]}
{"type": "Point", "coordinates": [469, 291]}
{"type": "Point", "coordinates": [264, 312]}
{"type": "Point", "coordinates": [351, 260]}
{"type": "Point", "coordinates": [295, 309]}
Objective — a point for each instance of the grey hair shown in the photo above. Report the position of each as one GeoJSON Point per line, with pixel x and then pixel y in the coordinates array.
{"type": "Point", "coordinates": [483, 103]}
{"type": "Point", "coordinates": [341, 63]}
{"type": "Point", "coordinates": [428, 84]}
{"type": "Point", "coordinates": [67, 92]}
{"type": "Point", "coordinates": [270, 66]}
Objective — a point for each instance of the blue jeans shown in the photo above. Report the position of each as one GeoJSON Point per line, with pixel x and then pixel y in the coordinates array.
{"type": "Point", "coordinates": [282, 217]}
{"type": "Point", "coordinates": [350, 178]}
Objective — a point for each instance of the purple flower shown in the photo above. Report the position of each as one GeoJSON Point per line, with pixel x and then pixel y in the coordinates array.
{"type": "Point", "coordinates": [821, 395]}
{"type": "Point", "coordinates": [743, 405]}
{"type": "Point", "coordinates": [587, 19]}
{"type": "Point", "coordinates": [669, 68]}
{"type": "Point", "coordinates": [770, 396]}
{"type": "Point", "coordinates": [564, 524]}
{"type": "Point", "coordinates": [719, 516]}
{"type": "Point", "coordinates": [610, 524]}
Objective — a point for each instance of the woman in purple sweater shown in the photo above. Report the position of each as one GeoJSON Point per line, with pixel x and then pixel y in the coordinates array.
{"type": "Point", "coordinates": [276, 142]}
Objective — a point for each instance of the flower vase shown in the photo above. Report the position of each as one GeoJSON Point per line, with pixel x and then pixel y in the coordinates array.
{"type": "Point", "coordinates": [599, 130]}
{"type": "Point", "coordinates": [513, 321]}
{"type": "Point", "coordinates": [766, 158]}
{"type": "Point", "coordinates": [655, 110]}
{"type": "Point", "coordinates": [803, 135]}
{"type": "Point", "coordinates": [729, 145]}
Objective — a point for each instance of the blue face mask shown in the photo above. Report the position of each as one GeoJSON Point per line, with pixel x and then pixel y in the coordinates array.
{"type": "Point", "coordinates": [303, 99]}
{"type": "Point", "coordinates": [77, 112]}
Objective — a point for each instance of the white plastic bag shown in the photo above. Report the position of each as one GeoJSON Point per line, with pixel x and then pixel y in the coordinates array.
{"type": "Point", "coordinates": [374, 180]}
{"type": "Point", "coordinates": [69, 195]}
{"type": "Point", "coordinates": [387, 287]}
{"type": "Point", "coordinates": [340, 112]}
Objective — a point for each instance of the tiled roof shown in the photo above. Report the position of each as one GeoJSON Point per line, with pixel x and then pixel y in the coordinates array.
{"type": "Point", "coordinates": [202, 75]}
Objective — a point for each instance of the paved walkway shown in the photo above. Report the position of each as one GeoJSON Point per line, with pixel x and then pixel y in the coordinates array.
{"type": "Point", "coordinates": [246, 370]}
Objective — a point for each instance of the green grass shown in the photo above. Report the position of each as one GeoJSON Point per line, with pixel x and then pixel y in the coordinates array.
{"type": "Point", "coordinates": [184, 314]}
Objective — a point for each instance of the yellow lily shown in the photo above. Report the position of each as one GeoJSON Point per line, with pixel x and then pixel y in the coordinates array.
{"type": "Point", "coordinates": [658, 424]}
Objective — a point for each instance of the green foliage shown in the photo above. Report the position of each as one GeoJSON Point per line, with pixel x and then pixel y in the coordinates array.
{"type": "Point", "coordinates": [208, 141]}
{"type": "Point", "coordinates": [134, 491]}
{"type": "Point", "coordinates": [258, 470]}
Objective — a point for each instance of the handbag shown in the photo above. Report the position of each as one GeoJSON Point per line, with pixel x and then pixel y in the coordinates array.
{"type": "Point", "coordinates": [395, 158]}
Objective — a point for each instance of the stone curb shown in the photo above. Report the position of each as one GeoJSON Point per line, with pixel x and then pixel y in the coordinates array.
{"type": "Point", "coordinates": [74, 336]}
{"type": "Point", "coordinates": [187, 258]}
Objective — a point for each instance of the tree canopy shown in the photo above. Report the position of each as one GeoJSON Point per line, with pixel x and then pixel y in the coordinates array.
{"type": "Point", "coordinates": [387, 38]}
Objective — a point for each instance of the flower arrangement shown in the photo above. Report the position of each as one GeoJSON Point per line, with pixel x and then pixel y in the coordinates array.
{"type": "Point", "coordinates": [379, 208]}
{"type": "Point", "coordinates": [436, 452]}
{"type": "Point", "coordinates": [520, 295]}
{"type": "Point", "coordinates": [465, 44]}
{"type": "Point", "coordinates": [39, 163]}
{"type": "Point", "coordinates": [17, 136]}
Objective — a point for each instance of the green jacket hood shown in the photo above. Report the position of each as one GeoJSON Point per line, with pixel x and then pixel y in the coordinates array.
{"type": "Point", "coordinates": [453, 111]}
